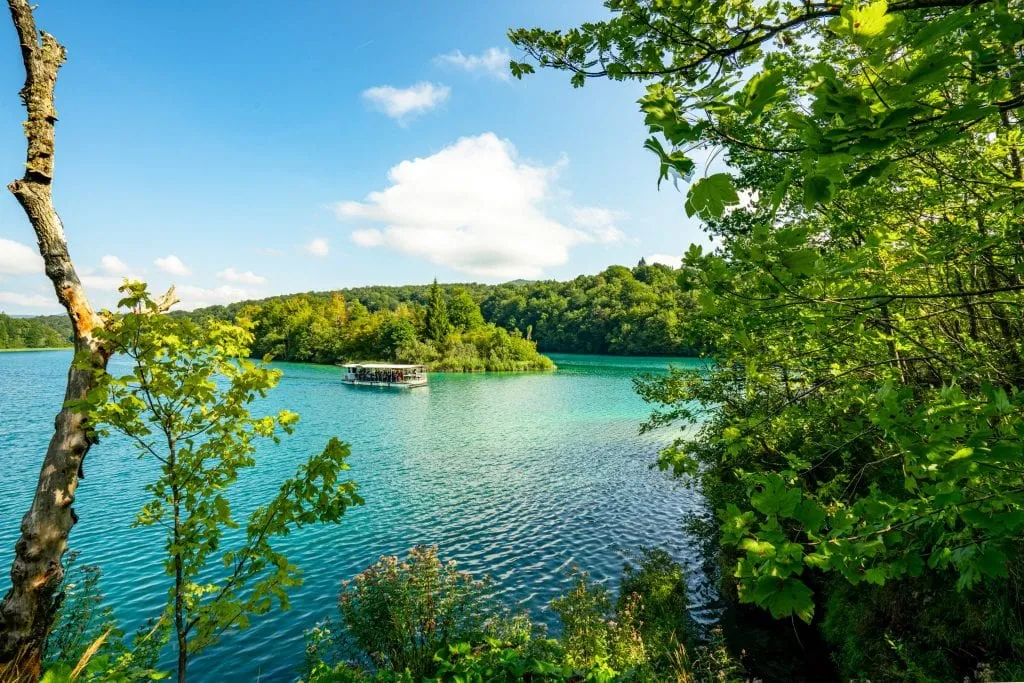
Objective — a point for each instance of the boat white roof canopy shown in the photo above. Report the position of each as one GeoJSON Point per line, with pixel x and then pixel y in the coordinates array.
{"type": "Point", "coordinates": [383, 366]}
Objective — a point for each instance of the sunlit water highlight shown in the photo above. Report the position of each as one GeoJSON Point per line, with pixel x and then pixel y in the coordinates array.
{"type": "Point", "coordinates": [517, 475]}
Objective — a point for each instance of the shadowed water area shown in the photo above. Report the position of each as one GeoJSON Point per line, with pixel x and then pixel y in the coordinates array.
{"type": "Point", "coordinates": [517, 475]}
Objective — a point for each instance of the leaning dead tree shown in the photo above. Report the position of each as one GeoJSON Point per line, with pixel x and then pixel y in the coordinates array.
{"type": "Point", "coordinates": [27, 611]}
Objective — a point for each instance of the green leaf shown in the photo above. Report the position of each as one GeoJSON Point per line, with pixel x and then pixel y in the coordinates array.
{"type": "Point", "coordinates": [800, 262]}
{"type": "Point", "coordinates": [818, 189]}
{"type": "Point", "coordinates": [709, 196]}
{"type": "Point", "coordinates": [934, 67]}
{"type": "Point", "coordinates": [762, 90]}
{"type": "Point", "coordinates": [875, 575]}
{"type": "Point", "coordinates": [810, 514]}
{"type": "Point", "coordinates": [784, 597]}
{"type": "Point", "coordinates": [670, 161]}
{"type": "Point", "coordinates": [992, 561]}
{"type": "Point", "coordinates": [970, 112]}
{"type": "Point", "coordinates": [934, 30]}
{"type": "Point", "coordinates": [775, 498]}
{"type": "Point", "coordinates": [779, 191]}
{"type": "Point", "coordinates": [877, 170]}
{"type": "Point", "coordinates": [962, 453]}
{"type": "Point", "coordinates": [871, 20]}
{"type": "Point", "coordinates": [760, 548]}
{"type": "Point", "coordinates": [865, 22]}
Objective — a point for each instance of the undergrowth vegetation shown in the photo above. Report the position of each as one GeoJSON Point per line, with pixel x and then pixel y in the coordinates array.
{"type": "Point", "coordinates": [419, 618]}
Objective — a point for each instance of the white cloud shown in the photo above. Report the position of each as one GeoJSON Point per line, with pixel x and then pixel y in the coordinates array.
{"type": "Point", "coordinates": [667, 259]}
{"type": "Point", "coordinates": [368, 237]}
{"type": "Point", "coordinates": [473, 207]}
{"type": "Point", "coordinates": [172, 264]}
{"type": "Point", "coordinates": [246, 278]}
{"type": "Point", "coordinates": [113, 265]}
{"type": "Point", "coordinates": [317, 246]}
{"type": "Point", "coordinates": [403, 104]}
{"type": "Point", "coordinates": [36, 302]}
{"type": "Point", "coordinates": [492, 61]}
{"type": "Point", "coordinates": [105, 283]}
{"type": "Point", "coordinates": [197, 297]}
{"type": "Point", "coordinates": [600, 223]}
{"type": "Point", "coordinates": [18, 259]}
{"type": "Point", "coordinates": [108, 279]}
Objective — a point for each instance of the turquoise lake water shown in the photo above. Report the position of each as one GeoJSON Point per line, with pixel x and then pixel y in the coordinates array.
{"type": "Point", "coordinates": [518, 475]}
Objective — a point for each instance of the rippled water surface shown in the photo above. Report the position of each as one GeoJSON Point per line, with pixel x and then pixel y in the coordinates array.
{"type": "Point", "coordinates": [516, 475]}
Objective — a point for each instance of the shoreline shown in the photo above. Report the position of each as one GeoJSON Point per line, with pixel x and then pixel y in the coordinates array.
{"type": "Point", "coordinates": [482, 371]}
{"type": "Point", "coordinates": [40, 348]}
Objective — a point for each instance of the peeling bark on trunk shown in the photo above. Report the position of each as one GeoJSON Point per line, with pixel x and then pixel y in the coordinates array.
{"type": "Point", "coordinates": [27, 611]}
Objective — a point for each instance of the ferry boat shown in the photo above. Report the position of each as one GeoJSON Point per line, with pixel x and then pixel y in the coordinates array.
{"type": "Point", "coordinates": [385, 375]}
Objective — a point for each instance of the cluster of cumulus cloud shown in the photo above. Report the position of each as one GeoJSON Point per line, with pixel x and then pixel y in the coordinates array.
{"type": "Point", "coordinates": [475, 206]}
{"type": "Point", "coordinates": [103, 281]}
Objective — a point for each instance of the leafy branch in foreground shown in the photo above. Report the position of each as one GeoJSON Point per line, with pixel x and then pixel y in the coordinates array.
{"type": "Point", "coordinates": [185, 403]}
{"type": "Point", "coordinates": [863, 421]}
{"type": "Point", "coordinates": [756, 77]}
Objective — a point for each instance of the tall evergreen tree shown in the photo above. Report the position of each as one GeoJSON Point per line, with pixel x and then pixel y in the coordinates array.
{"type": "Point", "coordinates": [438, 325]}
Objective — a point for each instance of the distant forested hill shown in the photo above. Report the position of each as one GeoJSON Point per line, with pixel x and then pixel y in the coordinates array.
{"type": "Point", "coordinates": [32, 333]}
{"type": "Point", "coordinates": [59, 322]}
{"type": "Point", "coordinates": [638, 311]}
{"type": "Point", "coordinates": [624, 311]}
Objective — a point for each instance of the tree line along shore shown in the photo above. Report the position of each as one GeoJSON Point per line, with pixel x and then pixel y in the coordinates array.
{"type": "Point", "coordinates": [464, 327]}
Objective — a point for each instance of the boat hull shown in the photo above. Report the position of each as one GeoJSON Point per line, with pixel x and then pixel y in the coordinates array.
{"type": "Point", "coordinates": [396, 385]}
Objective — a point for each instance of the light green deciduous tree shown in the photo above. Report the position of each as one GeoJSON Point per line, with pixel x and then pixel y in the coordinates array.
{"type": "Point", "coordinates": [186, 404]}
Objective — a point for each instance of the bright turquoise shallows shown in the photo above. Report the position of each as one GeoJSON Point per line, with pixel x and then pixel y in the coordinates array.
{"type": "Point", "coordinates": [517, 475]}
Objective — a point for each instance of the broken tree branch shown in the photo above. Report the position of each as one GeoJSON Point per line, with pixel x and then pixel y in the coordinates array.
{"type": "Point", "coordinates": [28, 609]}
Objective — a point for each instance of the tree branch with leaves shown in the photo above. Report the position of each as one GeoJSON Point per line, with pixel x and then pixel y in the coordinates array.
{"type": "Point", "coordinates": [185, 403]}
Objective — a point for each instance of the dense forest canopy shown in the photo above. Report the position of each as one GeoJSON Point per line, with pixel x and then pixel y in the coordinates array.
{"type": "Point", "coordinates": [639, 311]}
{"type": "Point", "coordinates": [446, 334]}
{"type": "Point", "coordinates": [859, 438]}
{"type": "Point", "coordinates": [30, 333]}
{"type": "Point", "coordinates": [621, 311]}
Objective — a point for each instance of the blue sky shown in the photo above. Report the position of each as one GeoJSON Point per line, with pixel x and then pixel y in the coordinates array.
{"type": "Point", "coordinates": [241, 149]}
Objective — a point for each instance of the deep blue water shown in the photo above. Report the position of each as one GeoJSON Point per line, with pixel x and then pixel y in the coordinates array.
{"type": "Point", "coordinates": [517, 475]}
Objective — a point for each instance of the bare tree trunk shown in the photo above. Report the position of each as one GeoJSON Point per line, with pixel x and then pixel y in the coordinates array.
{"type": "Point", "coordinates": [180, 629]}
{"type": "Point", "coordinates": [27, 611]}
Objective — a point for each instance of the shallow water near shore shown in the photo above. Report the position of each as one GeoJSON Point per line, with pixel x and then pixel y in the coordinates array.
{"type": "Point", "coordinates": [521, 476]}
